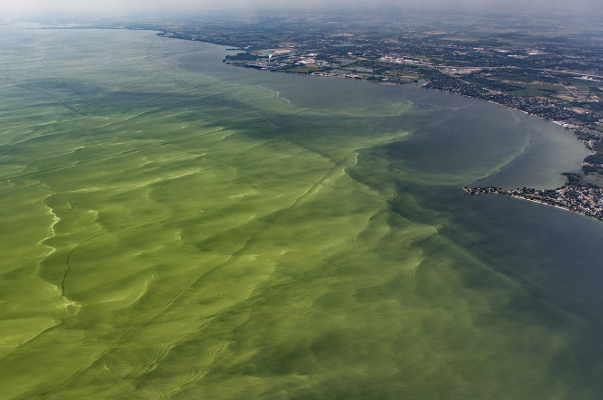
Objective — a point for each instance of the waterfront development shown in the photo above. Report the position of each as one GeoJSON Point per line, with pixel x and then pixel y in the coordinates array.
{"type": "Point", "coordinates": [579, 199]}
{"type": "Point", "coordinates": [176, 227]}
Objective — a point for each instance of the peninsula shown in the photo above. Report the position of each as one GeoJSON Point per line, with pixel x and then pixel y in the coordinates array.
{"type": "Point", "coordinates": [579, 198]}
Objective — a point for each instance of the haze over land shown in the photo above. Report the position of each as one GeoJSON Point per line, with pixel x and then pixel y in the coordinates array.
{"type": "Point", "coordinates": [39, 8]}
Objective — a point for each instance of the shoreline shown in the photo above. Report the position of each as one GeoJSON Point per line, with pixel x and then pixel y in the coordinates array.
{"type": "Point", "coordinates": [576, 195]}
{"type": "Point", "coordinates": [587, 201]}
{"type": "Point", "coordinates": [582, 198]}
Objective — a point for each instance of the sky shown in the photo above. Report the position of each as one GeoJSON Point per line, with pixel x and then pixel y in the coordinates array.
{"type": "Point", "coordinates": [125, 7]}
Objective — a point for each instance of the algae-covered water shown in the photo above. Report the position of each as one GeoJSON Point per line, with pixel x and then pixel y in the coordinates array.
{"type": "Point", "coordinates": [173, 227]}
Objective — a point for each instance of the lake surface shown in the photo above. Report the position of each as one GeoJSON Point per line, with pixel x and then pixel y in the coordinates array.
{"type": "Point", "coordinates": [174, 227]}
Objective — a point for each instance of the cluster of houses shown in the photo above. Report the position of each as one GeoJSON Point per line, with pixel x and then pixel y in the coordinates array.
{"type": "Point", "coordinates": [579, 199]}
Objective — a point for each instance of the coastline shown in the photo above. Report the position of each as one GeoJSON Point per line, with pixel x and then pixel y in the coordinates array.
{"type": "Point", "coordinates": [576, 195]}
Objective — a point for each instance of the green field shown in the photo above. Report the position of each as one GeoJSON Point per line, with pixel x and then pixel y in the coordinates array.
{"type": "Point", "coordinates": [171, 233]}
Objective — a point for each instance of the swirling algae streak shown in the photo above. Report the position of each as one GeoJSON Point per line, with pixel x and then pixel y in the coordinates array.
{"type": "Point", "coordinates": [134, 224]}
{"type": "Point", "coordinates": [68, 303]}
{"type": "Point", "coordinates": [312, 189]}
{"type": "Point", "coordinates": [165, 143]}
{"type": "Point", "coordinates": [56, 219]}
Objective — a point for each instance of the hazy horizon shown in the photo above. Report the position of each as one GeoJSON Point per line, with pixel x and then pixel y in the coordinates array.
{"type": "Point", "coordinates": [109, 8]}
